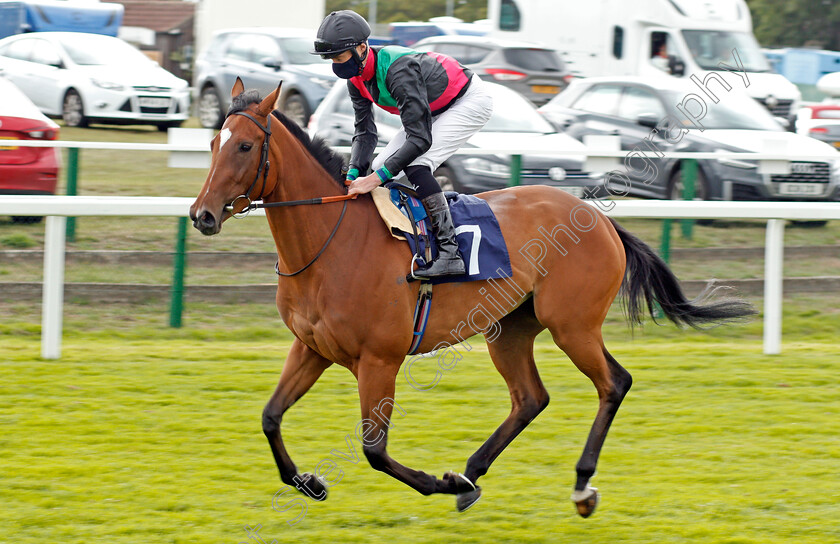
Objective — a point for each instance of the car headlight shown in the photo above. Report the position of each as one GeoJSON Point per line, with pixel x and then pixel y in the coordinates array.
{"type": "Point", "coordinates": [735, 163]}
{"type": "Point", "coordinates": [484, 167]}
{"type": "Point", "coordinates": [107, 84]}
{"type": "Point", "coordinates": [835, 170]}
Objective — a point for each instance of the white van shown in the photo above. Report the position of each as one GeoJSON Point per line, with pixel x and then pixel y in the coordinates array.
{"type": "Point", "coordinates": [678, 38]}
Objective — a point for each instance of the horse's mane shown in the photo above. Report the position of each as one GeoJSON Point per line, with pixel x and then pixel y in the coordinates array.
{"type": "Point", "coordinates": [332, 161]}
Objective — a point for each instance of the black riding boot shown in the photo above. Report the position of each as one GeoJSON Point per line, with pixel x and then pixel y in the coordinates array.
{"type": "Point", "coordinates": [448, 262]}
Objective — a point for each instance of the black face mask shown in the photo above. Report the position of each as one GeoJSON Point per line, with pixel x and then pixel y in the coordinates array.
{"type": "Point", "coordinates": [352, 67]}
{"type": "Point", "coordinates": [348, 69]}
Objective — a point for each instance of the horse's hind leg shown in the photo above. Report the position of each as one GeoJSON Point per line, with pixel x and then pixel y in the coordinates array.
{"type": "Point", "coordinates": [513, 354]}
{"type": "Point", "coordinates": [586, 350]}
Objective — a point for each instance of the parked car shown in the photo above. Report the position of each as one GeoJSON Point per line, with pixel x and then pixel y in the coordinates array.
{"type": "Point", "coordinates": [25, 170]}
{"type": "Point", "coordinates": [262, 57]}
{"type": "Point", "coordinates": [639, 109]}
{"type": "Point", "coordinates": [514, 123]}
{"type": "Point", "coordinates": [91, 78]}
{"type": "Point", "coordinates": [533, 71]}
{"type": "Point", "coordinates": [820, 121]}
{"type": "Point", "coordinates": [409, 33]}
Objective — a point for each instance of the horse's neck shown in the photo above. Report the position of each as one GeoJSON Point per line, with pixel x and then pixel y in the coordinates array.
{"type": "Point", "coordinates": [300, 231]}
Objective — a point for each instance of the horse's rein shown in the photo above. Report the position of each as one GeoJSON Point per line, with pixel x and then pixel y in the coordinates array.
{"type": "Point", "coordinates": [264, 166]}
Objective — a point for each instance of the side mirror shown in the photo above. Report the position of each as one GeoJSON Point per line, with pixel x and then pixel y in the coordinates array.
{"type": "Point", "coordinates": [270, 62]}
{"type": "Point", "coordinates": [649, 120]}
{"type": "Point", "coordinates": [676, 65]}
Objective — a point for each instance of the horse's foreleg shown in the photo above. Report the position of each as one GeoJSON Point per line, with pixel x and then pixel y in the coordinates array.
{"type": "Point", "coordinates": [302, 369]}
{"type": "Point", "coordinates": [376, 394]}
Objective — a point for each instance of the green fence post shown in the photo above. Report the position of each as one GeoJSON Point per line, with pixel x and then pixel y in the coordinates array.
{"type": "Point", "coordinates": [665, 246]}
{"type": "Point", "coordinates": [515, 170]}
{"type": "Point", "coordinates": [176, 307]}
{"type": "Point", "coordinates": [72, 188]}
{"type": "Point", "coordinates": [665, 253]}
{"type": "Point", "coordinates": [689, 179]}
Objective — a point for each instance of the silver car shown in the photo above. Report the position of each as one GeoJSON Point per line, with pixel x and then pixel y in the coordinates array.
{"type": "Point", "coordinates": [90, 78]}
{"type": "Point", "coordinates": [533, 71]}
{"type": "Point", "coordinates": [262, 57]}
{"type": "Point", "coordinates": [515, 123]}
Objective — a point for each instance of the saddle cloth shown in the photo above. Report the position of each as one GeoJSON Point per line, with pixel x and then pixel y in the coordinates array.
{"type": "Point", "coordinates": [480, 240]}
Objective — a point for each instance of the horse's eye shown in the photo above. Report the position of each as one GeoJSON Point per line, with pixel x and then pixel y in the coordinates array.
{"type": "Point", "coordinates": [244, 147]}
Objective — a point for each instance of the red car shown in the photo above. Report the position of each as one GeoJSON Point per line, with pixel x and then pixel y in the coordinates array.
{"type": "Point", "coordinates": [25, 170]}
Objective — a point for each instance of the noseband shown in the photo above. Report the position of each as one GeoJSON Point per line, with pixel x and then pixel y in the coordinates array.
{"type": "Point", "coordinates": [264, 165]}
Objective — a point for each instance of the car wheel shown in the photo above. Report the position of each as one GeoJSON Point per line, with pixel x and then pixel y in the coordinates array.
{"type": "Point", "coordinates": [210, 113]}
{"type": "Point", "coordinates": [26, 219]}
{"type": "Point", "coordinates": [446, 179]}
{"type": "Point", "coordinates": [809, 224]}
{"type": "Point", "coordinates": [73, 110]}
{"type": "Point", "coordinates": [701, 190]}
{"type": "Point", "coordinates": [296, 109]}
{"type": "Point", "coordinates": [675, 186]}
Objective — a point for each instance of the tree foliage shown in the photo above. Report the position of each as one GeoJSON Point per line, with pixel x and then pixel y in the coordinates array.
{"type": "Point", "coordinates": [796, 23]}
{"type": "Point", "coordinates": [390, 11]}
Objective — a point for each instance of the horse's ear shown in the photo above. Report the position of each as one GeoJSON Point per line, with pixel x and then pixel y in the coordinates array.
{"type": "Point", "coordinates": [238, 88]}
{"type": "Point", "coordinates": [270, 102]}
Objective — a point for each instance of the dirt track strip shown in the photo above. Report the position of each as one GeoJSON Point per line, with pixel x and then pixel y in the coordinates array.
{"type": "Point", "coordinates": [211, 258]}
{"type": "Point", "coordinates": [121, 293]}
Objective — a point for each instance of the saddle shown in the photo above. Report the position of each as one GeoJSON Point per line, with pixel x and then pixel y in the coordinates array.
{"type": "Point", "coordinates": [479, 237]}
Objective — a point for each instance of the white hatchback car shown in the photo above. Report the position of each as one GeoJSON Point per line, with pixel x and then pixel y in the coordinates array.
{"type": "Point", "coordinates": [88, 78]}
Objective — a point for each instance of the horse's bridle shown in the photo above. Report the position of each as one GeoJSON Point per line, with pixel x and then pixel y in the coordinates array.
{"type": "Point", "coordinates": [263, 168]}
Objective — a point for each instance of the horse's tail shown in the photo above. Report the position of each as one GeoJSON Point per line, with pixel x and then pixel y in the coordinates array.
{"type": "Point", "coordinates": [648, 278]}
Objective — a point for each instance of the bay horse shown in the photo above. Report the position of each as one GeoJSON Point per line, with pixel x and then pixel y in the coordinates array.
{"type": "Point", "coordinates": [343, 293]}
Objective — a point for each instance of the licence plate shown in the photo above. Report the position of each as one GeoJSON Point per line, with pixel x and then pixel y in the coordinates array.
{"type": "Point", "coordinates": [153, 102]}
{"type": "Point", "coordinates": [7, 147]}
{"type": "Point", "coordinates": [545, 89]}
{"type": "Point", "coordinates": [576, 191]}
{"type": "Point", "coordinates": [801, 188]}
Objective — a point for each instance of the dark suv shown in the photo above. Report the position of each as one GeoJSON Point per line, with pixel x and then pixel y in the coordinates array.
{"type": "Point", "coordinates": [534, 72]}
{"type": "Point", "coordinates": [262, 57]}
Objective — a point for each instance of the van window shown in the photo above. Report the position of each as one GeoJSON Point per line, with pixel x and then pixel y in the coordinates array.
{"type": "Point", "coordinates": [509, 17]}
{"type": "Point", "coordinates": [618, 42]}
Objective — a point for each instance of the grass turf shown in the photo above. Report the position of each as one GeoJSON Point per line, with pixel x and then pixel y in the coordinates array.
{"type": "Point", "coordinates": [147, 434]}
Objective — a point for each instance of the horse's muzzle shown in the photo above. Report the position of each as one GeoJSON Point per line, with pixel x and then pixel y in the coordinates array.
{"type": "Point", "coordinates": [206, 223]}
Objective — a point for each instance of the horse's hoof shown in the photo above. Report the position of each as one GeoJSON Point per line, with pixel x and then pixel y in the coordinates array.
{"type": "Point", "coordinates": [313, 487]}
{"type": "Point", "coordinates": [586, 501]}
{"type": "Point", "coordinates": [463, 501]}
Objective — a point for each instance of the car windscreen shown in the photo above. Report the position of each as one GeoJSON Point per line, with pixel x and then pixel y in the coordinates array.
{"type": "Point", "coordinates": [538, 60]}
{"type": "Point", "coordinates": [298, 51]}
{"type": "Point", "coordinates": [92, 49]}
{"type": "Point", "coordinates": [710, 48]}
{"type": "Point", "coordinates": [735, 111]}
{"type": "Point", "coordinates": [513, 113]}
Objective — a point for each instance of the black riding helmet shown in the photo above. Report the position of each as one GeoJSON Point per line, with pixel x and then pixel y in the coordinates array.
{"type": "Point", "coordinates": [340, 31]}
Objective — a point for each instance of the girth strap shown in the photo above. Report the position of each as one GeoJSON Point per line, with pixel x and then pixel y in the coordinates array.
{"type": "Point", "coordinates": [421, 315]}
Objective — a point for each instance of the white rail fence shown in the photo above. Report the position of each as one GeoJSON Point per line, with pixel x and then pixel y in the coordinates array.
{"type": "Point", "coordinates": [58, 208]}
